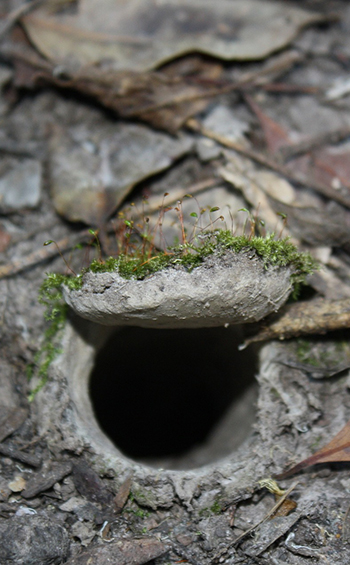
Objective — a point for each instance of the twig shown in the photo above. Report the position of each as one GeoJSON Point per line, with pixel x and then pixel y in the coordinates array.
{"type": "Point", "coordinates": [270, 513]}
{"type": "Point", "coordinates": [251, 79]}
{"type": "Point", "coordinates": [41, 255]}
{"type": "Point", "coordinates": [177, 193]}
{"type": "Point", "coordinates": [269, 163]}
{"type": "Point", "coordinates": [11, 147]}
{"type": "Point", "coordinates": [329, 138]}
{"type": "Point", "coordinates": [317, 316]}
{"type": "Point", "coordinates": [345, 525]}
{"type": "Point", "coordinates": [26, 458]}
{"type": "Point", "coordinates": [7, 23]}
{"type": "Point", "coordinates": [70, 241]}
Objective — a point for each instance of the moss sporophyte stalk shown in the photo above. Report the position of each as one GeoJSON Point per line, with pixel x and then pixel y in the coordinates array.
{"type": "Point", "coordinates": [139, 265]}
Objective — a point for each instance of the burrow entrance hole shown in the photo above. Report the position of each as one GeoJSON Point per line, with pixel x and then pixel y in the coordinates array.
{"type": "Point", "coordinates": [182, 398]}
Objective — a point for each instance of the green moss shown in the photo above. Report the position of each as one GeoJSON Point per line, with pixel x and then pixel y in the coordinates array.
{"type": "Point", "coordinates": [216, 507]}
{"type": "Point", "coordinates": [316, 443]}
{"type": "Point", "coordinates": [138, 512]}
{"type": "Point", "coordinates": [280, 253]}
{"type": "Point", "coordinates": [322, 353]}
{"type": "Point", "coordinates": [50, 296]}
{"type": "Point", "coordinates": [138, 265]}
{"type": "Point", "coordinates": [135, 508]}
{"type": "Point", "coordinates": [304, 352]}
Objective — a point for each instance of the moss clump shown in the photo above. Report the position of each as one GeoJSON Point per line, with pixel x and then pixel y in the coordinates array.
{"type": "Point", "coordinates": [216, 508]}
{"type": "Point", "coordinates": [50, 295]}
{"type": "Point", "coordinates": [273, 252]}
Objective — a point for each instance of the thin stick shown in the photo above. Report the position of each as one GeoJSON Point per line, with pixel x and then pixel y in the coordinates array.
{"type": "Point", "coordinates": [268, 515]}
{"type": "Point", "coordinates": [67, 243]}
{"type": "Point", "coordinates": [345, 525]}
{"type": "Point", "coordinates": [9, 21]}
{"type": "Point", "coordinates": [248, 79]}
{"type": "Point", "coordinates": [42, 254]}
{"type": "Point", "coordinates": [328, 138]}
{"type": "Point", "coordinates": [269, 163]}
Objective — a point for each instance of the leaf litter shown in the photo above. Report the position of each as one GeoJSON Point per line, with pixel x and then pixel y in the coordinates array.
{"type": "Point", "coordinates": [141, 36]}
{"type": "Point", "coordinates": [277, 195]}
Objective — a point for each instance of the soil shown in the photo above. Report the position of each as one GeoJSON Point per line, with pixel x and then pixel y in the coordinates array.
{"type": "Point", "coordinates": [148, 445]}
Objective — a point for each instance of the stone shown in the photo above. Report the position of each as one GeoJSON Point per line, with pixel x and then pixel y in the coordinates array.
{"type": "Point", "coordinates": [33, 540]}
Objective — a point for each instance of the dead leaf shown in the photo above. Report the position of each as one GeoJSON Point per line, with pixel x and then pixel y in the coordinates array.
{"type": "Point", "coordinates": [93, 167]}
{"type": "Point", "coordinates": [312, 317]}
{"type": "Point", "coordinates": [141, 36]}
{"type": "Point", "coordinates": [89, 484]}
{"type": "Point", "coordinates": [5, 239]}
{"type": "Point", "coordinates": [309, 217]}
{"type": "Point", "coordinates": [122, 495]}
{"type": "Point", "coordinates": [326, 168]}
{"type": "Point", "coordinates": [275, 135]}
{"type": "Point", "coordinates": [331, 165]}
{"type": "Point", "coordinates": [337, 450]}
{"type": "Point", "coordinates": [314, 142]}
{"type": "Point", "coordinates": [285, 509]}
{"type": "Point", "coordinates": [109, 51]}
{"type": "Point", "coordinates": [165, 99]}
{"type": "Point", "coordinates": [255, 185]}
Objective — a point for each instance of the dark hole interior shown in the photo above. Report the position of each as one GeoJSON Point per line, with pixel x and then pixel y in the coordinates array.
{"type": "Point", "coordinates": [160, 393]}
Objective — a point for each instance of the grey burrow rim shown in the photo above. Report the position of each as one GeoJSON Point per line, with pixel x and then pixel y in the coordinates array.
{"type": "Point", "coordinates": [232, 288]}
{"type": "Point", "coordinates": [64, 410]}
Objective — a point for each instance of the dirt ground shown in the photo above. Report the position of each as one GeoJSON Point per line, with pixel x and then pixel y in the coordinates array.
{"type": "Point", "coordinates": [148, 445]}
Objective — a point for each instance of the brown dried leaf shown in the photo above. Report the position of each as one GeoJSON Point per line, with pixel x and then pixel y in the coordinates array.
{"type": "Point", "coordinates": [93, 167]}
{"type": "Point", "coordinates": [108, 49]}
{"type": "Point", "coordinates": [320, 223]}
{"type": "Point", "coordinates": [337, 450]}
{"type": "Point", "coordinates": [313, 317]}
{"type": "Point", "coordinates": [140, 36]}
{"type": "Point", "coordinates": [122, 495]}
{"type": "Point", "coordinates": [331, 166]}
{"type": "Point", "coordinates": [165, 99]}
{"type": "Point", "coordinates": [285, 509]}
{"type": "Point", "coordinates": [5, 239]}
{"type": "Point", "coordinates": [276, 136]}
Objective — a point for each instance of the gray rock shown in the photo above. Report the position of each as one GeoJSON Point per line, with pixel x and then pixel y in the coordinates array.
{"type": "Point", "coordinates": [20, 184]}
{"type": "Point", "coordinates": [33, 540]}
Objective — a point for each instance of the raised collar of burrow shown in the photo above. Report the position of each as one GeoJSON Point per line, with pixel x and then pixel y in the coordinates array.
{"type": "Point", "coordinates": [232, 288]}
{"type": "Point", "coordinates": [223, 292]}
